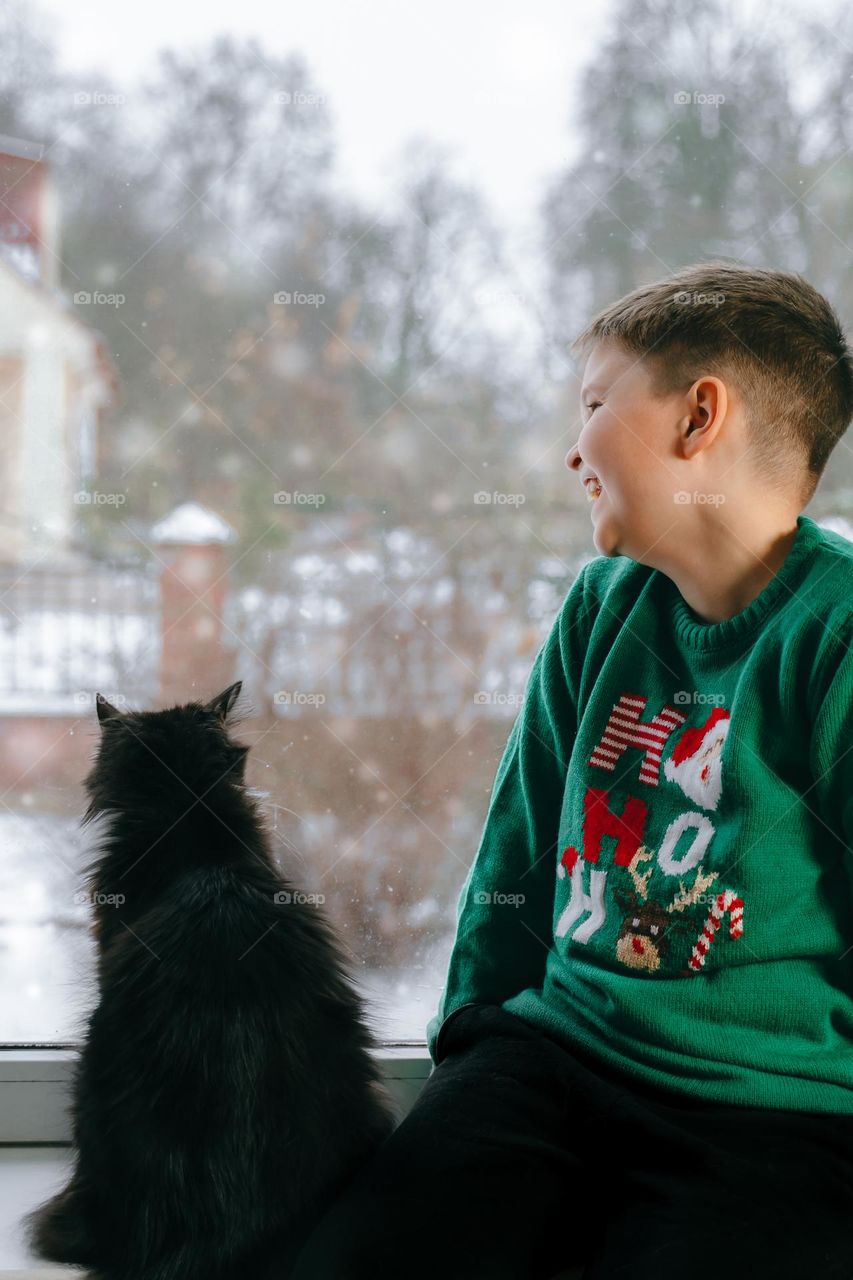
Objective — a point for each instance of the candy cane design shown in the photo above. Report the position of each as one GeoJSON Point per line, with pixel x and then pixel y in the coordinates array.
{"type": "Point", "coordinates": [725, 901]}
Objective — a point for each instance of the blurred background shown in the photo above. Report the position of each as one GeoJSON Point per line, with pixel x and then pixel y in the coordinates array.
{"type": "Point", "coordinates": [285, 299]}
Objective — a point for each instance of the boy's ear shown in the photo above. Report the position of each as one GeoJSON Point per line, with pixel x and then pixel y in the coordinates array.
{"type": "Point", "coordinates": [106, 710]}
{"type": "Point", "coordinates": [222, 704]}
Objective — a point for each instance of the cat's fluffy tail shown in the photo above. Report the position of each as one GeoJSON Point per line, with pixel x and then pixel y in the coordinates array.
{"type": "Point", "coordinates": [57, 1230]}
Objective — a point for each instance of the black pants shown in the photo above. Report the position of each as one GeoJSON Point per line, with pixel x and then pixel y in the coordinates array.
{"type": "Point", "coordinates": [520, 1159]}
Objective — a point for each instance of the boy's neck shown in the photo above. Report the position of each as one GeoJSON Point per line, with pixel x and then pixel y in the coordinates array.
{"type": "Point", "coordinates": [723, 567]}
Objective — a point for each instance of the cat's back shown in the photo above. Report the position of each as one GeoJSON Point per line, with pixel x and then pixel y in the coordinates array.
{"type": "Point", "coordinates": [215, 930]}
{"type": "Point", "coordinates": [229, 960]}
{"type": "Point", "coordinates": [224, 1011]}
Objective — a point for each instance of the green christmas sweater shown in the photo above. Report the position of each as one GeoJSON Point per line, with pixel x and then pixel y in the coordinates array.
{"type": "Point", "coordinates": [665, 876]}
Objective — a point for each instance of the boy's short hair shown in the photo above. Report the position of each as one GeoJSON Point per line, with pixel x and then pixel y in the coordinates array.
{"type": "Point", "coordinates": [770, 332]}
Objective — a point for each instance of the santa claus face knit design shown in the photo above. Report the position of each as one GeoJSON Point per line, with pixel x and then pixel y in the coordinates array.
{"type": "Point", "coordinates": [665, 874]}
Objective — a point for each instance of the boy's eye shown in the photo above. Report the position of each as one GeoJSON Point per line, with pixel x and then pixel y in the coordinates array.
{"type": "Point", "coordinates": [596, 404]}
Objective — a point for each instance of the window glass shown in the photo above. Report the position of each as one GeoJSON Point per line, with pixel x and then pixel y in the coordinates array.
{"type": "Point", "coordinates": [285, 396]}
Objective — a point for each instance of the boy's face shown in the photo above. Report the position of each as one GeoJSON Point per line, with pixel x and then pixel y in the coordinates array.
{"type": "Point", "coordinates": [628, 441]}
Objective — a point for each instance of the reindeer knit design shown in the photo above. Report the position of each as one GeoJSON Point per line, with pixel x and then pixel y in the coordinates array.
{"type": "Point", "coordinates": [635, 814]}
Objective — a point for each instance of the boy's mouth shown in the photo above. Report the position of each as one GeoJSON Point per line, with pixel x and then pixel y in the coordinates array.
{"type": "Point", "coordinates": [593, 489]}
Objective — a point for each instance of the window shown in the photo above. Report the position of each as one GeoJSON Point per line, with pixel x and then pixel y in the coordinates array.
{"type": "Point", "coordinates": [285, 396]}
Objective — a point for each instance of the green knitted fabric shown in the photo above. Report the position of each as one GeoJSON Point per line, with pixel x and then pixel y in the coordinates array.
{"type": "Point", "coordinates": [664, 876]}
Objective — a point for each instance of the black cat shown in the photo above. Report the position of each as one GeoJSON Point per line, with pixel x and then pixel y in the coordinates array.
{"type": "Point", "coordinates": [225, 1093]}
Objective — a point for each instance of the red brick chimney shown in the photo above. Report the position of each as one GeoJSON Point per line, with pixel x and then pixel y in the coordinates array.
{"type": "Point", "coordinates": [191, 544]}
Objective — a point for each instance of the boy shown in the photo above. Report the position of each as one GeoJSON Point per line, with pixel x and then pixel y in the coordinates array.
{"type": "Point", "coordinates": [644, 1047]}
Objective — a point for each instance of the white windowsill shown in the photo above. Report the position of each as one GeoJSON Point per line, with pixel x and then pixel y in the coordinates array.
{"type": "Point", "coordinates": [34, 1098]}
{"type": "Point", "coordinates": [38, 1078]}
{"type": "Point", "coordinates": [28, 1176]}
{"type": "Point", "coordinates": [35, 1088]}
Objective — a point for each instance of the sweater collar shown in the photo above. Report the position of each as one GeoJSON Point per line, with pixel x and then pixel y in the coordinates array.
{"type": "Point", "coordinates": [695, 633]}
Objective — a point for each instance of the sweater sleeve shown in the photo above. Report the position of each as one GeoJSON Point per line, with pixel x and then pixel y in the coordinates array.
{"type": "Point", "coordinates": [504, 914]}
{"type": "Point", "coordinates": [832, 750]}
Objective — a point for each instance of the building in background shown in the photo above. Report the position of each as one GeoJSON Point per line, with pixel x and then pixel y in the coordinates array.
{"type": "Point", "coordinates": [72, 623]}
{"type": "Point", "coordinates": [56, 377]}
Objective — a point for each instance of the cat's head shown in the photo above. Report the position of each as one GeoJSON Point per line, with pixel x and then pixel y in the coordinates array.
{"type": "Point", "coordinates": [170, 759]}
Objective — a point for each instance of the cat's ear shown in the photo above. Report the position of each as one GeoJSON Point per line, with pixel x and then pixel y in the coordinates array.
{"type": "Point", "coordinates": [106, 710]}
{"type": "Point", "coordinates": [223, 703]}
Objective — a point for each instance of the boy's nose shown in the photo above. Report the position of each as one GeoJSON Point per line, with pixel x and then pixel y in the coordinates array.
{"type": "Point", "coordinates": [573, 458]}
